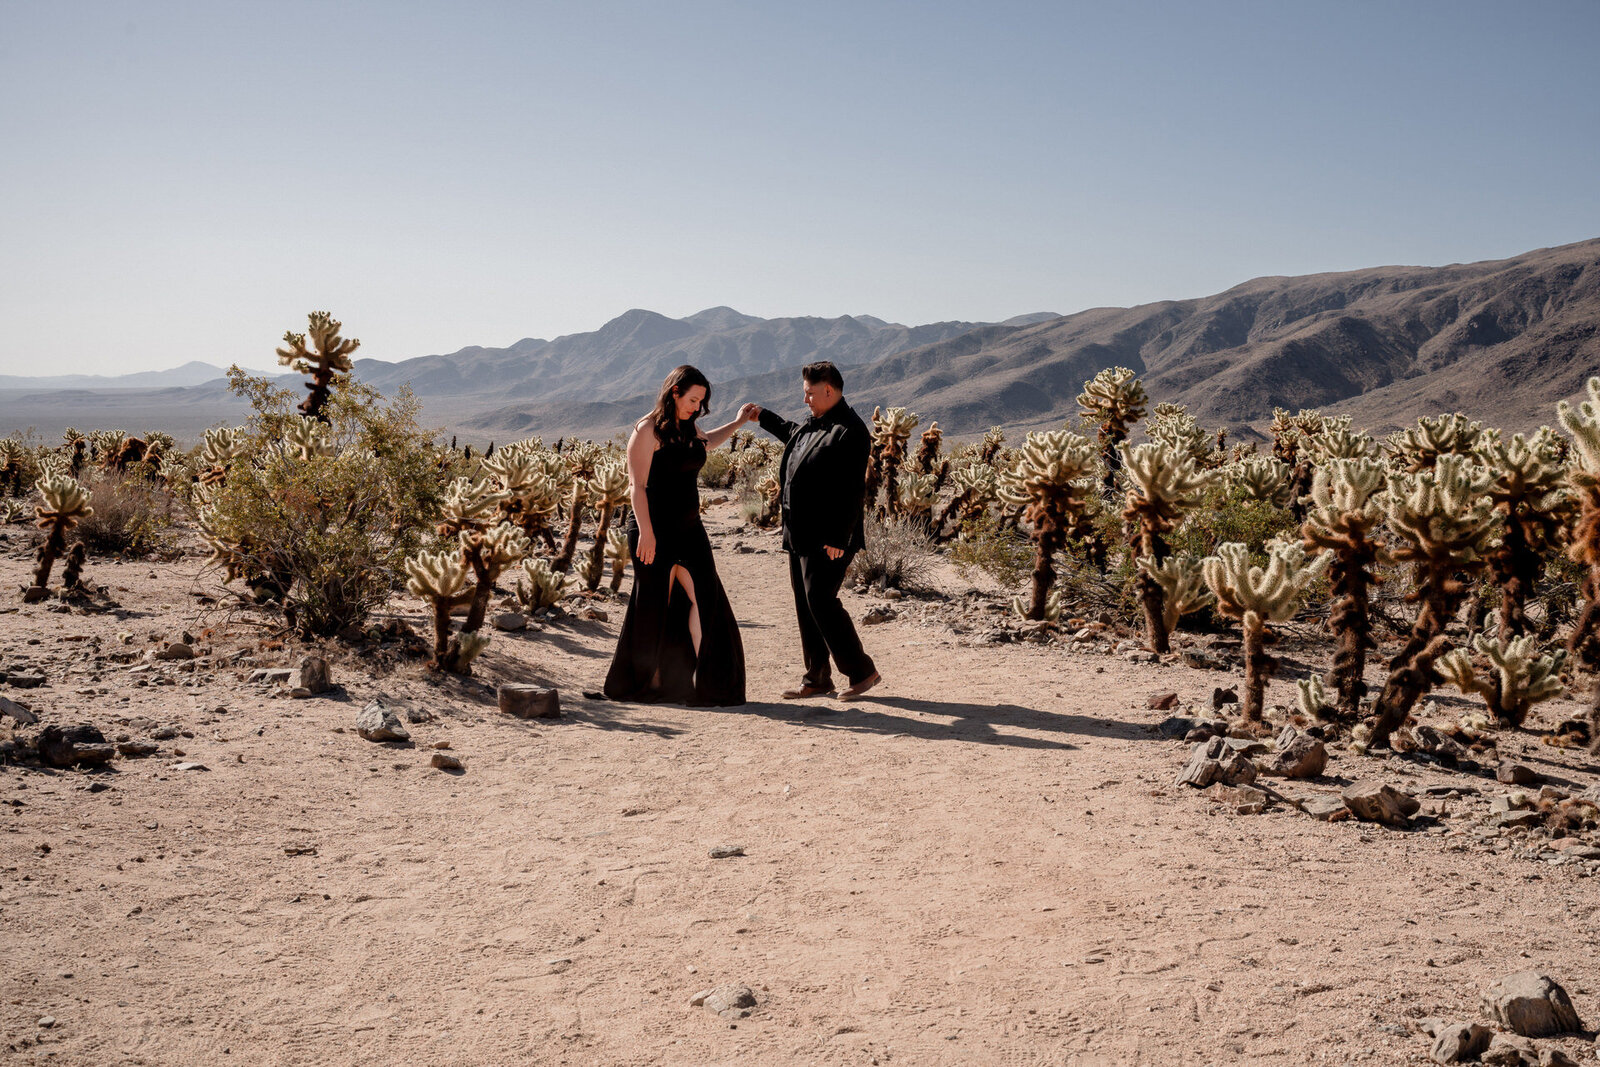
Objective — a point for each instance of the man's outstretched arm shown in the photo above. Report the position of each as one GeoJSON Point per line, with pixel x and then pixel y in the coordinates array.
{"type": "Point", "coordinates": [770, 421]}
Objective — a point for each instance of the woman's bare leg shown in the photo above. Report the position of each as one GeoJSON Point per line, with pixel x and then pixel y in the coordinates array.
{"type": "Point", "coordinates": [680, 577]}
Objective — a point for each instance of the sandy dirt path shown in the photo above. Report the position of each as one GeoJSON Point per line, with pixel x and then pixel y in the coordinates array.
{"type": "Point", "coordinates": [984, 863]}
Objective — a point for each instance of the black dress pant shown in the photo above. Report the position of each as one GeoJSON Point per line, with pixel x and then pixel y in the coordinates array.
{"type": "Point", "coordinates": [825, 625]}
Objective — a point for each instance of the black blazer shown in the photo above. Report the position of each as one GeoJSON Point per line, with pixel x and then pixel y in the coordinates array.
{"type": "Point", "coordinates": [824, 478]}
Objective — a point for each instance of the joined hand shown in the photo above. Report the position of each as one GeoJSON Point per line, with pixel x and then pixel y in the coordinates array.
{"type": "Point", "coordinates": [750, 412]}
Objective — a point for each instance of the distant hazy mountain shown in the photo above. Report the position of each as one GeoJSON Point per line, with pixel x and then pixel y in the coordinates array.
{"type": "Point", "coordinates": [1502, 340]}
{"type": "Point", "coordinates": [194, 373]}
{"type": "Point", "coordinates": [633, 352]}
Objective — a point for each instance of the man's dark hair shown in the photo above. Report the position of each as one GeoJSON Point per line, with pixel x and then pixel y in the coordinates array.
{"type": "Point", "coordinates": [823, 372]}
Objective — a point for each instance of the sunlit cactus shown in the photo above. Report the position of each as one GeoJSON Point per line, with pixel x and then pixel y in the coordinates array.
{"type": "Point", "coordinates": [327, 355]}
{"type": "Point", "coordinates": [1183, 586]}
{"type": "Point", "coordinates": [1260, 478]}
{"type": "Point", "coordinates": [1583, 424]}
{"type": "Point", "coordinates": [617, 552]}
{"type": "Point", "coordinates": [581, 461]}
{"type": "Point", "coordinates": [1444, 525]}
{"type": "Point", "coordinates": [13, 458]}
{"type": "Point", "coordinates": [608, 491]}
{"type": "Point", "coordinates": [994, 439]}
{"type": "Point", "coordinates": [539, 587]}
{"type": "Point", "coordinates": [218, 450]}
{"type": "Point", "coordinates": [1337, 441]}
{"type": "Point", "coordinates": [441, 579]}
{"type": "Point", "coordinates": [1114, 399]}
{"type": "Point", "coordinates": [1345, 514]}
{"type": "Point", "coordinates": [1420, 448]}
{"type": "Point", "coordinates": [917, 495]}
{"type": "Point", "coordinates": [307, 438]}
{"type": "Point", "coordinates": [1521, 677]}
{"type": "Point", "coordinates": [487, 553]}
{"type": "Point", "coordinates": [76, 445]}
{"type": "Point", "coordinates": [65, 504]}
{"type": "Point", "coordinates": [533, 496]}
{"type": "Point", "coordinates": [1312, 699]}
{"type": "Point", "coordinates": [1051, 611]}
{"type": "Point", "coordinates": [1256, 596]}
{"type": "Point", "coordinates": [928, 460]}
{"type": "Point", "coordinates": [1530, 493]}
{"type": "Point", "coordinates": [891, 432]}
{"type": "Point", "coordinates": [1050, 484]}
{"type": "Point", "coordinates": [469, 504]}
{"type": "Point", "coordinates": [1163, 486]}
{"type": "Point", "coordinates": [975, 486]}
{"type": "Point", "coordinates": [1173, 426]}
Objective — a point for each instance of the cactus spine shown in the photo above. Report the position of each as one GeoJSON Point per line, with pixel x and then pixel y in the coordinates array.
{"type": "Point", "coordinates": [1529, 492]}
{"type": "Point", "coordinates": [608, 491]}
{"type": "Point", "coordinates": [1521, 678]}
{"type": "Point", "coordinates": [892, 432]}
{"type": "Point", "coordinates": [65, 504]}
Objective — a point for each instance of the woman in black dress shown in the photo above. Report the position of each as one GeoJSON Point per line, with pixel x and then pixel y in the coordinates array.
{"type": "Point", "coordinates": [679, 642]}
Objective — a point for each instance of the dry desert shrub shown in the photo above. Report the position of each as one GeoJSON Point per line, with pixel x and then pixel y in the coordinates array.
{"type": "Point", "coordinates": [132, 516]}
{"type": "Point", "coordinates": [898, 554]}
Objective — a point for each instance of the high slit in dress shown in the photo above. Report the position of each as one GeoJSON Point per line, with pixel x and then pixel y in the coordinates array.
{"type": "Point", "coordinates": [655, 633]}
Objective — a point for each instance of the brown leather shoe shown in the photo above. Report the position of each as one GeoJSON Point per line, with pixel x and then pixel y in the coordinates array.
{"type": "Point", "coordinates": [856, 691]}
{"type": "Point", "coordinates": [805, 692]}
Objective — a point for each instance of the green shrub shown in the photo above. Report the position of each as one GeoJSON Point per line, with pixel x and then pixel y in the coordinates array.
{"type": "Point", "coordinates": [1227, 515]}
{"type": "Point", "coordinates": [1004, 553]}
{"type": "Point", "coordinates": [324, 530]}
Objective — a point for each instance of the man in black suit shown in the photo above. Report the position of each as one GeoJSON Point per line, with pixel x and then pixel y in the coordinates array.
{"type": "Point", "coordinates": [823, 475]}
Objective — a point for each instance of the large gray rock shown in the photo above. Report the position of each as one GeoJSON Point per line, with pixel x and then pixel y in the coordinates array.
{"type": "Point", "coordinates": [1325, 807]}
{"type": "Point", "coordinates": [378, 723]}
{"type": "Point", "coordinates": [1510, 772]}
{"type": "Point", "coordinates": [1531, 1004]}
{"type": "Point", "coordinates": [17, 712]}
{"type": "Point", "coordinates": [530, 701]}
{"type": "Point", "coordinates": [314, 674]}
{"type": "Point", "coordinates": [1216, 761]}
{"type": "Point", "coordinates": [1298, 755]}
{"type": "Point", "coordinates": [1460, 1042]}
{"type": "Point", "coordinates": [1377, 802]}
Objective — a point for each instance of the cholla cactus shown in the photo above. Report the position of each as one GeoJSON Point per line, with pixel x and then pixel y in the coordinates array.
{"type": "Point", "coordinates": [917, 495]}
{"type": "Point", "coordinates": [581, 461]}
{"type": "Point", "coordinates": [1342, 522]}
{"type": "Point", "coordinates": [219, 449]}
{"type": "Point", "coordinates": [1583, 423]}
{"type": "Point", "coordinates": [1337, 441]}
{"type": "Point", "coordinates": [487, 553]}
{"type": "Point", "coordinates": [469, 504]}
{"type": "Point", "coordinates": [12, 459]}
{"type": "Point", "coordinates": [1259, 595]}
{"type": "Point", "coordinates": [1313, 698]}
{"type": "Point", "coordinates": [1173, 426]}
{"type": "Point", "coordinates": [441, 579]}
{"type": "Point", "coordinates": [307, 438]}
{"type": "Point", "coordinates": [328, 355]}
{"type": "Point", "coordinates": [1260, 478]}
{"type": "Point", "coordinates": [975, 487]}
{"type": "Point", "coordinates": [1049, 484]}
{"type": "Point", "coordinates": [1529, 492]}
{"type": "Point", "coordinates": [891, 431]}
{"type": "Point", "coordinates": [1419, 448]}
{"type": "Point", "coordinates": [994, 439]}
{"type": "Point", "coordinates": [1294, 440]}
{"type": "Point", "coordinates": [1444, 525]}
{"type": "Point", "coordinates": [617, 552]}
{"type": "Point", "coordinates": [65, 504]}
{"type": "Point", "coordinates": [1162, 487]}
{"type": "Point", "coordinates": [608, 491]}
{"type": "Point", "coordinates": [1050, 613]}
{"type": "Point", "coordinates": [1521, 679]}
{"type": "Point", "coordinates": [928, 460]}
{"type": "Point", "coordinates": [540, 586]}
{"type": "Point", "coordinates": [1115, 399]}
{"type": "Point", "coordinates": [1183, 587]}
{"type": "Point", "coordinates": [533, 497]}
{"type": "Point", "coordinates": [76, 446]}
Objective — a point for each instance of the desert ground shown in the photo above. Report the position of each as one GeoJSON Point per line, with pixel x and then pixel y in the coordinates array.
{"type": "Point", "coordinates": [987, 861]}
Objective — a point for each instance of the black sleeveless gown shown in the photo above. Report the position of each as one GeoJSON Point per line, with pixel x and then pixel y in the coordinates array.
{"type": "Point", "coordinates": [655, 633]}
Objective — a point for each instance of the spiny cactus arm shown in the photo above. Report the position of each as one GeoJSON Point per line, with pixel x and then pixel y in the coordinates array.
{"type": "Point", "coordinates": [436, 575]}
{"type": "Point", "coordinates": [1432, 438]}
{"type": "Point", "coordinates": [65, 502]}
{"type": "Point", "coordinates": [1313, 698]}
{"type": "Point", "coordinates": [1456, 668]}
{"type": "Point", "coordinates": [1182, 582]}
{"type": "Point", "coordinates": [470, 503]}
{"type": "Point", "coordinates": [1115, 393]}
{"type": "Point", "coordinates": [500, 546]}
{"type": "Point", "coordinates": [1260, 478]}
{"type": "Point", "coordinates": [307, 438]}
{"type": "Point", "coordinates": [1526, 678]}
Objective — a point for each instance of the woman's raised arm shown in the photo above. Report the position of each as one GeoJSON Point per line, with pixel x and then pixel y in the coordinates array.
{"type": "Point", "coordinates": [722, 433]}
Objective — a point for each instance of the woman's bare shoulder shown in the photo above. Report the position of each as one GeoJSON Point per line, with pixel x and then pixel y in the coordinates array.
{"type": "Point", "coordinates": [645, 430]}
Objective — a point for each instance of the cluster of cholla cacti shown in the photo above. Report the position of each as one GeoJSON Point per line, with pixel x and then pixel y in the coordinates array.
{"type": "Point", "coordinates": [1453, 525]}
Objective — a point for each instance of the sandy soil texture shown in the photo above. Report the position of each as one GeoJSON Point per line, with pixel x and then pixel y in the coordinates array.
{"type": "Point", "coordinates": [986, 862]}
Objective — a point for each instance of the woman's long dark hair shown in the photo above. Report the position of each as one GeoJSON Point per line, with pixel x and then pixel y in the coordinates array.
{"type": "Point", "coordinates": [665, 415]}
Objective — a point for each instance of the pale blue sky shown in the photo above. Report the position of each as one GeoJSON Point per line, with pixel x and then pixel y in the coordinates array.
{"type": "Point", "coordinates": [186, 181]}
